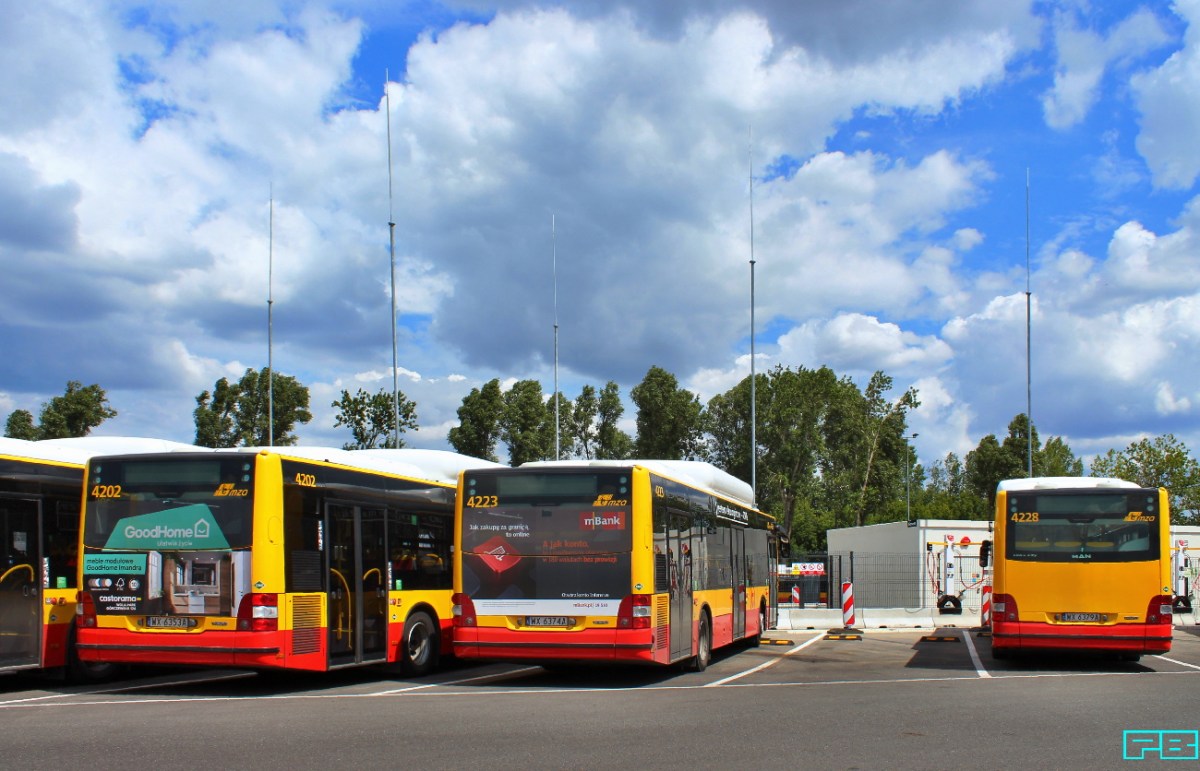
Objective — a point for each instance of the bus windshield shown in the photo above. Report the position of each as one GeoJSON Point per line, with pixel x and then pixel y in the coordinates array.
{"type": "Point", "coordinates": [547, 536]}
{"type": "Point", "coordinates": [170, 504]}
{"type": "Point", "coordinates": [1119, 526]}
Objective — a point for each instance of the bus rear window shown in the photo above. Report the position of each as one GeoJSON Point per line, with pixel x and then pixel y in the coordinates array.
{"type": "Point", "coordinates": [1083, 527]}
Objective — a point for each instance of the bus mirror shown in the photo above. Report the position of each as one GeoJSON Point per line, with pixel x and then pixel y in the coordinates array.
{"type": "Point", "coordinates": [985, 553]}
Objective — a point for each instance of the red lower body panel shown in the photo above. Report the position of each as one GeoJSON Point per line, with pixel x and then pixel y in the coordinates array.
{"type": "Point", "coordinates": [255, 650]}
{"type": "Point", "coordinates": [1028, 635]}
{"type": "Point", "coordinates": [607, 645]}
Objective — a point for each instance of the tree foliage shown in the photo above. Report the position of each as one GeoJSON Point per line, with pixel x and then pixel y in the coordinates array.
{"type": "Point", "coordinates": [372, 418]}
{"type": "Point", "coordinates": [1160, 462]}
{"type": "Point", "coordinates": [237, 415]}
{"type": "Point", "coordinates": [611, 442]}
{"type": "Point", "coordinates": [668, 419]}
{"type": "Point", "coordinates": [526, 426]}
{"type": "Point", "coordinates": [80, 409]}
{"type": "Point", "coordinates": [478, 427]}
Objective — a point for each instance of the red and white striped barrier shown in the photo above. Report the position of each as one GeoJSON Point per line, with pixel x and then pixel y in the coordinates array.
{"type": "Point", "coordinates": [796, 595]}
{"type": "Point", "coordinates": [847, 604]}
{"type": "Point", "coordinates": [985, 609]}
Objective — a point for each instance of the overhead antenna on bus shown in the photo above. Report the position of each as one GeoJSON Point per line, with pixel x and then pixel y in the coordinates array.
{"type": "Point", "coordinates": [387, 96]}
{"type": "Point", "coordinates": [270, 304]}
{"type": "Point", "coordinates": [753, 420]}
{"type": "Point", "coordinates": [554, 269]}
{"type": "Point", "coordinates": [1028, 342]}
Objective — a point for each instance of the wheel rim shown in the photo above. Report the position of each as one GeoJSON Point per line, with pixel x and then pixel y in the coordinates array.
{"type": "Point", "coordinates": [417, 644]}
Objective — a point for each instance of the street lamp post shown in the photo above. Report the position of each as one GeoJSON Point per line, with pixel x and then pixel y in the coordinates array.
{"type": "Point", "coordinates": [908, 478]}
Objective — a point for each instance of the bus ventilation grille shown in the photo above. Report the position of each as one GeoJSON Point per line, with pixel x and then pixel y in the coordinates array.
{"type": "Point", "coordinates": [662, 621]}
{"type": "Point", "coordinates": [306, 625]}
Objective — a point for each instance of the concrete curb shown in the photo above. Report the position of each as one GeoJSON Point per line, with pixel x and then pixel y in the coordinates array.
{"type": "Point", "coordinates": [874, 618]}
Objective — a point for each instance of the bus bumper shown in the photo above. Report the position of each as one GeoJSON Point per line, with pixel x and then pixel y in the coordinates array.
{"type": "Point", "coordinates": [603, 645]}
{"type": "Point", "coordinates": [1029, 635]}
{"type": "Point", "coordinates": [254, 650]}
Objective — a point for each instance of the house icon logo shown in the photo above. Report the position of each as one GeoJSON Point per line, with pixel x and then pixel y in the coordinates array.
{"type": "Point", "coordinates": [201, 528]}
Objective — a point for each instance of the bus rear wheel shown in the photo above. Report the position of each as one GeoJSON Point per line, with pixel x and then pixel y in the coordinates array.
{"type": "Point", "coordinates": [699, 662]}
{"type": "Point", "coordinates": [419, 645]}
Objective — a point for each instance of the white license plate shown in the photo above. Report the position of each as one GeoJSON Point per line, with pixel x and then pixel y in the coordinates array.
{"type": "Point", "coordinates": [1083, 617]}
{"type": "Point", "coordinates": [549, 621]}
{"type": "Point", "coordinates": [170, 622]}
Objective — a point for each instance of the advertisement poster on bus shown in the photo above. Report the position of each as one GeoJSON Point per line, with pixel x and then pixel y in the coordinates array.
{"type": "Point", "coordinates": [564, 559]}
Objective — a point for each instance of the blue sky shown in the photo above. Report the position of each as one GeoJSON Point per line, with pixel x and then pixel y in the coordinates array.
{"type": "Point", "coordinates": [142, 145]}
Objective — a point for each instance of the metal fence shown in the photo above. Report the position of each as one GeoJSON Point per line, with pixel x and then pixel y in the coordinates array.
{"type": "Point", "coordinates": [881, 580]}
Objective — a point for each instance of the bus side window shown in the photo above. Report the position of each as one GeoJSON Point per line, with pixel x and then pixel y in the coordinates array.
{"type": "Point", "coordinates": [985, 553]}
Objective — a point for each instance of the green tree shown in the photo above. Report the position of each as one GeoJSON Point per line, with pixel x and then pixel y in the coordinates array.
{"type": "Point", "coordinates": [80, 409]}
{"type": "Point", "coordinates": [372, 418]}
{"type": "Point", "coordinates": [20, 426]}
{"type": "Point", "coordinates": [1017, 443]}
{"type": "Point", "coordinates": [611, 442]}
{"type": "Point", "coordinates": [883, 426]}
{"type": "Point", "coordinates": [668, 419]}
{"type": "Point", "coordinates": [1057, 460]}
{"type": "Point", "coordinates": [583, 422]}
{"type": "Point", "coordinates": [566, 416]}
{"type": "Point", "coordinates": [987, 465]}
{"type": "Point", "coordinates": [948, 496]}
{"type": "Point", "coordinates": [526, 426]}
{"type": "Point", "coordinates": [1160, 462]}
{"type": "Point", "coordinates": [236, 414]}
{"type": "Point", "coordinates": [478, 427]}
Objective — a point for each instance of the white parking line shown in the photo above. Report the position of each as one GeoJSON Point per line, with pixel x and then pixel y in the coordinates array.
{"type": "Point", "coordinates": [975, 655]}
{"type": "Point", "coordinates": [1180, 663]}
{"type": "Point", "coordinates": [765, 664]}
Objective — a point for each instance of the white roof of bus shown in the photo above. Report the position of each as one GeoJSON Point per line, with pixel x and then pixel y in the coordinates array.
{"type": "Point", "coordinates": [694, 472]}
{"type": "Point", "coordinates": [78, 450]}
{"type": "Point", "coordinates": [433, 465]}
{"type": "Point", "coordinates": [21, 448]}
{"type": "Point", "coordinates": [1072, 483]}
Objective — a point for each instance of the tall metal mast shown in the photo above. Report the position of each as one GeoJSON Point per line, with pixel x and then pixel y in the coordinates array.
{"type": "Point", "coordinates": [753, 400]}
{"type": "Point", "coordinates": [270, 304]}
{"type": "Point", "coordinates": [1028, 341]}
{"type": "Point", "coordinates": [554, 268]}
{"type": "Point", "coordinates": [392, 262]}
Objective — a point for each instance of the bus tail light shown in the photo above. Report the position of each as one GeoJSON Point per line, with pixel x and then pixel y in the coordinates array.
{"type": "Point", "coordinates": [1159, 610]}
{"type": "Point", "coordinates": [463, 610]}
{"type": "Point", "coordinates": [634, 612]}
{"type": "Point", "coordinates": [1004, 608]}
{"type": "Point", "coordinates": [258, 613]}
{"type": "Point", "coordinates": [85, 610]}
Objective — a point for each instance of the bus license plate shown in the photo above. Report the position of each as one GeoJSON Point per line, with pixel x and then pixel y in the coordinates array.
{"type": "Point", "coordinates": [1084, 617]}
{"type": "Point", "coordinates": [170, 622]}
{"type": "Point", "coordinates": [549, 621]}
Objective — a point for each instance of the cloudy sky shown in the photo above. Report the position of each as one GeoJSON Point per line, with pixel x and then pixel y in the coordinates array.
{"type": "Point", "coordinates": [144, 147]}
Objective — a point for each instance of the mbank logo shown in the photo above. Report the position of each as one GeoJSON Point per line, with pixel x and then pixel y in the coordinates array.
{"type": "Point", "coordinates": [614, 520]}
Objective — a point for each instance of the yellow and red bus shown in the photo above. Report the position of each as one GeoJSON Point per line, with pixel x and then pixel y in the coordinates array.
{"type": "Point", "coordinates": [639, 561]}
{"type": "Point", "coordinates": [301, 558]}
{"type": "Point", "coordinates": [41, 485]}
{"type": "Point", "coordinates": [1081, 563]}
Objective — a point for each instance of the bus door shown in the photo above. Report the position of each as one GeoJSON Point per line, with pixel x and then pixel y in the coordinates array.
{"type": "Point", "coordinates": [738, 544]}
{"type": "Point", "coordinates": [679, 567]}
{"type": "Point", "coordinates": [357, 600]}
{"type": "Point", "coordinates": [20, 583]}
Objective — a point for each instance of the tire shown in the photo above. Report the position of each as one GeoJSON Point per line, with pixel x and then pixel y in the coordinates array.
{"type": "Point", "coordinates": [756, 640]}
{"type": "Point", "coordinates": [699, 662]}
{"type": "Point", "coordinates": [1129, 656]}
{"type": "Point", "coordinates": [419, 645]}
{"type": "Point", "coordinates": [87, 671]}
